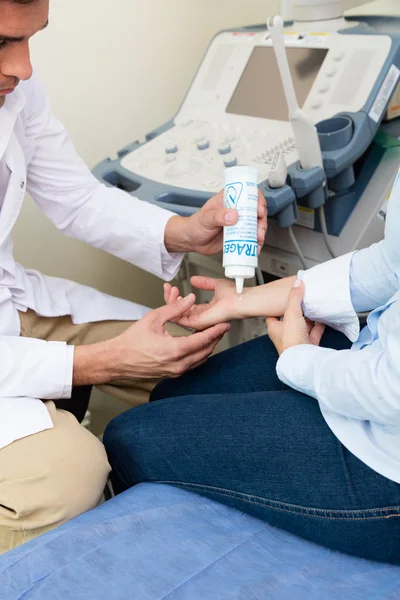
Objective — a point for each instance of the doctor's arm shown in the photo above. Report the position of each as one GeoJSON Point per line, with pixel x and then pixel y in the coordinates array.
{"type": "Point", "coordinates": [80, 206]}
{"type": "Point", "coordinates": [146, 350]}
{"type": "Point", "coordinates": [111, 219]}
{"type": "Point", "coordinates": [32, 368]}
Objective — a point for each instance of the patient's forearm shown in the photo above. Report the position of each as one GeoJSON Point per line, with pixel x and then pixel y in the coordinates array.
{"type": "Point", "coordinates": [269, 300]}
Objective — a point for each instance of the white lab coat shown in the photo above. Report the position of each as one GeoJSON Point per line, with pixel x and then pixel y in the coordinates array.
{"type": "Point", "coordinates": [41, 160]}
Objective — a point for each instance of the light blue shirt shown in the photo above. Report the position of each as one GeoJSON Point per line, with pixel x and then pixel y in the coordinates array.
{"type": "Point", "coordinates": [359, 389]}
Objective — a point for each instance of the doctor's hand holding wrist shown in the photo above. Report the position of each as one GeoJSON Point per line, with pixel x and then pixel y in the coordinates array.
{"type": "Point", "coordinates": [294, 329]}
{"type": "Point", "coordinates": [203, 231]}
{"type": "Point", "coordinates": [146, 350]}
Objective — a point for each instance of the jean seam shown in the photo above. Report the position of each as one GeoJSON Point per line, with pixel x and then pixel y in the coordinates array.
{"type": "Point", "coordinates": [318, 513]}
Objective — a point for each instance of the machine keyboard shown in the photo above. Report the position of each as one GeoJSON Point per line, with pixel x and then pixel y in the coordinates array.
{"type": "Point", "coordinates": [193, 155]}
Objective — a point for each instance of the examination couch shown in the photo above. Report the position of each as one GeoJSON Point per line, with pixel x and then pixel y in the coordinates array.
{"type": "Point", "coordinates": [161, 543]}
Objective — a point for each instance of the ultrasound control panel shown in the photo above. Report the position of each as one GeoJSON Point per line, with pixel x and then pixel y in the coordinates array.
{"type": "Point", "coordinates": [235, 111]}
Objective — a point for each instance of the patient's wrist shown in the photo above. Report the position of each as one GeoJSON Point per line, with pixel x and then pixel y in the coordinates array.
{"type": "Point", "coordinates": [269, 300]}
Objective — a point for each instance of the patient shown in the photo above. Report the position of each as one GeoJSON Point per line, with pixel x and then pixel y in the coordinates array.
{"type": "Point", "coordinates": [301, 428]}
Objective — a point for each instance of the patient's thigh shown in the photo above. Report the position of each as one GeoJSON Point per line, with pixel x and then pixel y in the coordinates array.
{"type": "Point", "coordinates": [249, 367]}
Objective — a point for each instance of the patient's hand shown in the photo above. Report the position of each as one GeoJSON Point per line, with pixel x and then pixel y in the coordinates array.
{"type": "Point", "coordinates": [222, 308]}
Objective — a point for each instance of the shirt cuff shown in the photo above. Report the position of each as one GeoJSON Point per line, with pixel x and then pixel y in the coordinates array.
{"type": "Point", "coordinates": [296, 367]}
{"type": "Point", "coordinates": [54, 380]}
{"type": "Point", "coordinates": [37, 369]}
{"type": "Point", "coordinates": [69, 372]}
{"type": "Point", "coordinates": [327, 297]}
{"type": "Point", "coordinates": [170, 261]}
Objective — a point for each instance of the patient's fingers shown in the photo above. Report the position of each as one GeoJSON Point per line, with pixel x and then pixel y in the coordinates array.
{"type": "Point", "coordinates": [204, 283]}
{"type": "Point", "coordinates": [167, 292]}
{"type": "Point", "coordinates": [171, 294]}
{"type": "Point", "coordinates": [316, 333]}
{"type": "Point", "coordinates": [175, 295]}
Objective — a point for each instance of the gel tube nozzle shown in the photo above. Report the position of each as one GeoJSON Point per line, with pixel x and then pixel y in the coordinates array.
{"type": "Point", "coordinates": [239, 285]}
{"type": "Point", "coordinates": [240, 240]}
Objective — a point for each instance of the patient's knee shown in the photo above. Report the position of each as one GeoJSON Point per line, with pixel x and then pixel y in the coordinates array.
{"type": "Point", "coordinates": [129, 442]}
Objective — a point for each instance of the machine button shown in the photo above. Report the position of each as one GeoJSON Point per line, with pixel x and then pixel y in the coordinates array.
{"type": "Point", "coordinates": [189, 167]}
{"type": "Point", "coordinates": [225, 149]}
{"type": "Point", "coordinates": [339, 56]}
{"type": "Point", "coordinates": [212, 184]}
{"type": "Point", "coordinates": [331, 72]}
{"type": "Point", "coordinates": [171, 149]}
{"type": "Point", "coordinates": [324, 88]}
{"type": "Point", "coordinates": [203, 145]}
{"type": "Point", "coordinates": [230, 162]}
{"type": "Point", "coordinates": [316, 105]}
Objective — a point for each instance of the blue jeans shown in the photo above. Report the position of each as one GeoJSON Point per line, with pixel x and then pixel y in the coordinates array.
{"type": "Point", "coordinates": [231, 431]}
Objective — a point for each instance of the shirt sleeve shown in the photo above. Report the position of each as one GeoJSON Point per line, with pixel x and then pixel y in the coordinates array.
{"type": "Point", "coordinates": [373, 276]}
{"type": "Point", "coordinates": [35, 368]}
{"type": "Point", "coordinates": [362, 385]}
{"type": "Point", "coordinates": [357, 282]}
{"type": "Point", "coordinates": [81, 207]}
{"type": "Point", "coordinates": [327, 296]}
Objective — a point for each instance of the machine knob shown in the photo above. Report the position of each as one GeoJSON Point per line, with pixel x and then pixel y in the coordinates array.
{"type": "Point", "coordinates": [225, 149]}
{"type": "Point", "coordinates": [171, 149]}
{"type": "Point", "coordinates": [230, 162]}
{"type": "Point", "coordinates": [324, 88]}
{"type": "Point", "coordinates": [189, 167]}
{"type": "Point", "coordinates": [212, 184]}
{"type": "Point", "coordinates": [203, 145]}
{"type": "Point", "coordinates": [339, 56]}
{"type": "Point", "coordinates": [331, 72]}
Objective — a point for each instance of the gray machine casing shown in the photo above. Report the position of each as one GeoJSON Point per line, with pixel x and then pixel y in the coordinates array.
{"type": "Point", "coordinates": [358, 171]}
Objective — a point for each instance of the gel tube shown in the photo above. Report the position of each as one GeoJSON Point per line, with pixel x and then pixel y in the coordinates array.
{"type": "Point", "coordinates": [240, 240]}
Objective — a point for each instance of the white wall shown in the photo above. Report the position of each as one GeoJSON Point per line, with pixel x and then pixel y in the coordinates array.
{"type": "Point", "coordinates": [378, 7]}
{"type": "Point", "coordinates": [115, 69]}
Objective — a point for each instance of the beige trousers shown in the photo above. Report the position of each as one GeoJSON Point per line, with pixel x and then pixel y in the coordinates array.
{"type": "Point", "coordinates": [48, 478]}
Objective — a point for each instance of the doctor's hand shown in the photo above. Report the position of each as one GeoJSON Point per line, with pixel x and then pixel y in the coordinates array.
{"type": "Point", "coordinates": [294, 329]}
{"type": "Point", "coordinates": [146, 350]}
{"type": "Point", "coordinates": [203, 231]}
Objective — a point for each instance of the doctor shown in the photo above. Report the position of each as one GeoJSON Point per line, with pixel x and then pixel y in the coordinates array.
{"type": "Point", "coordinates": [55, 334]}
